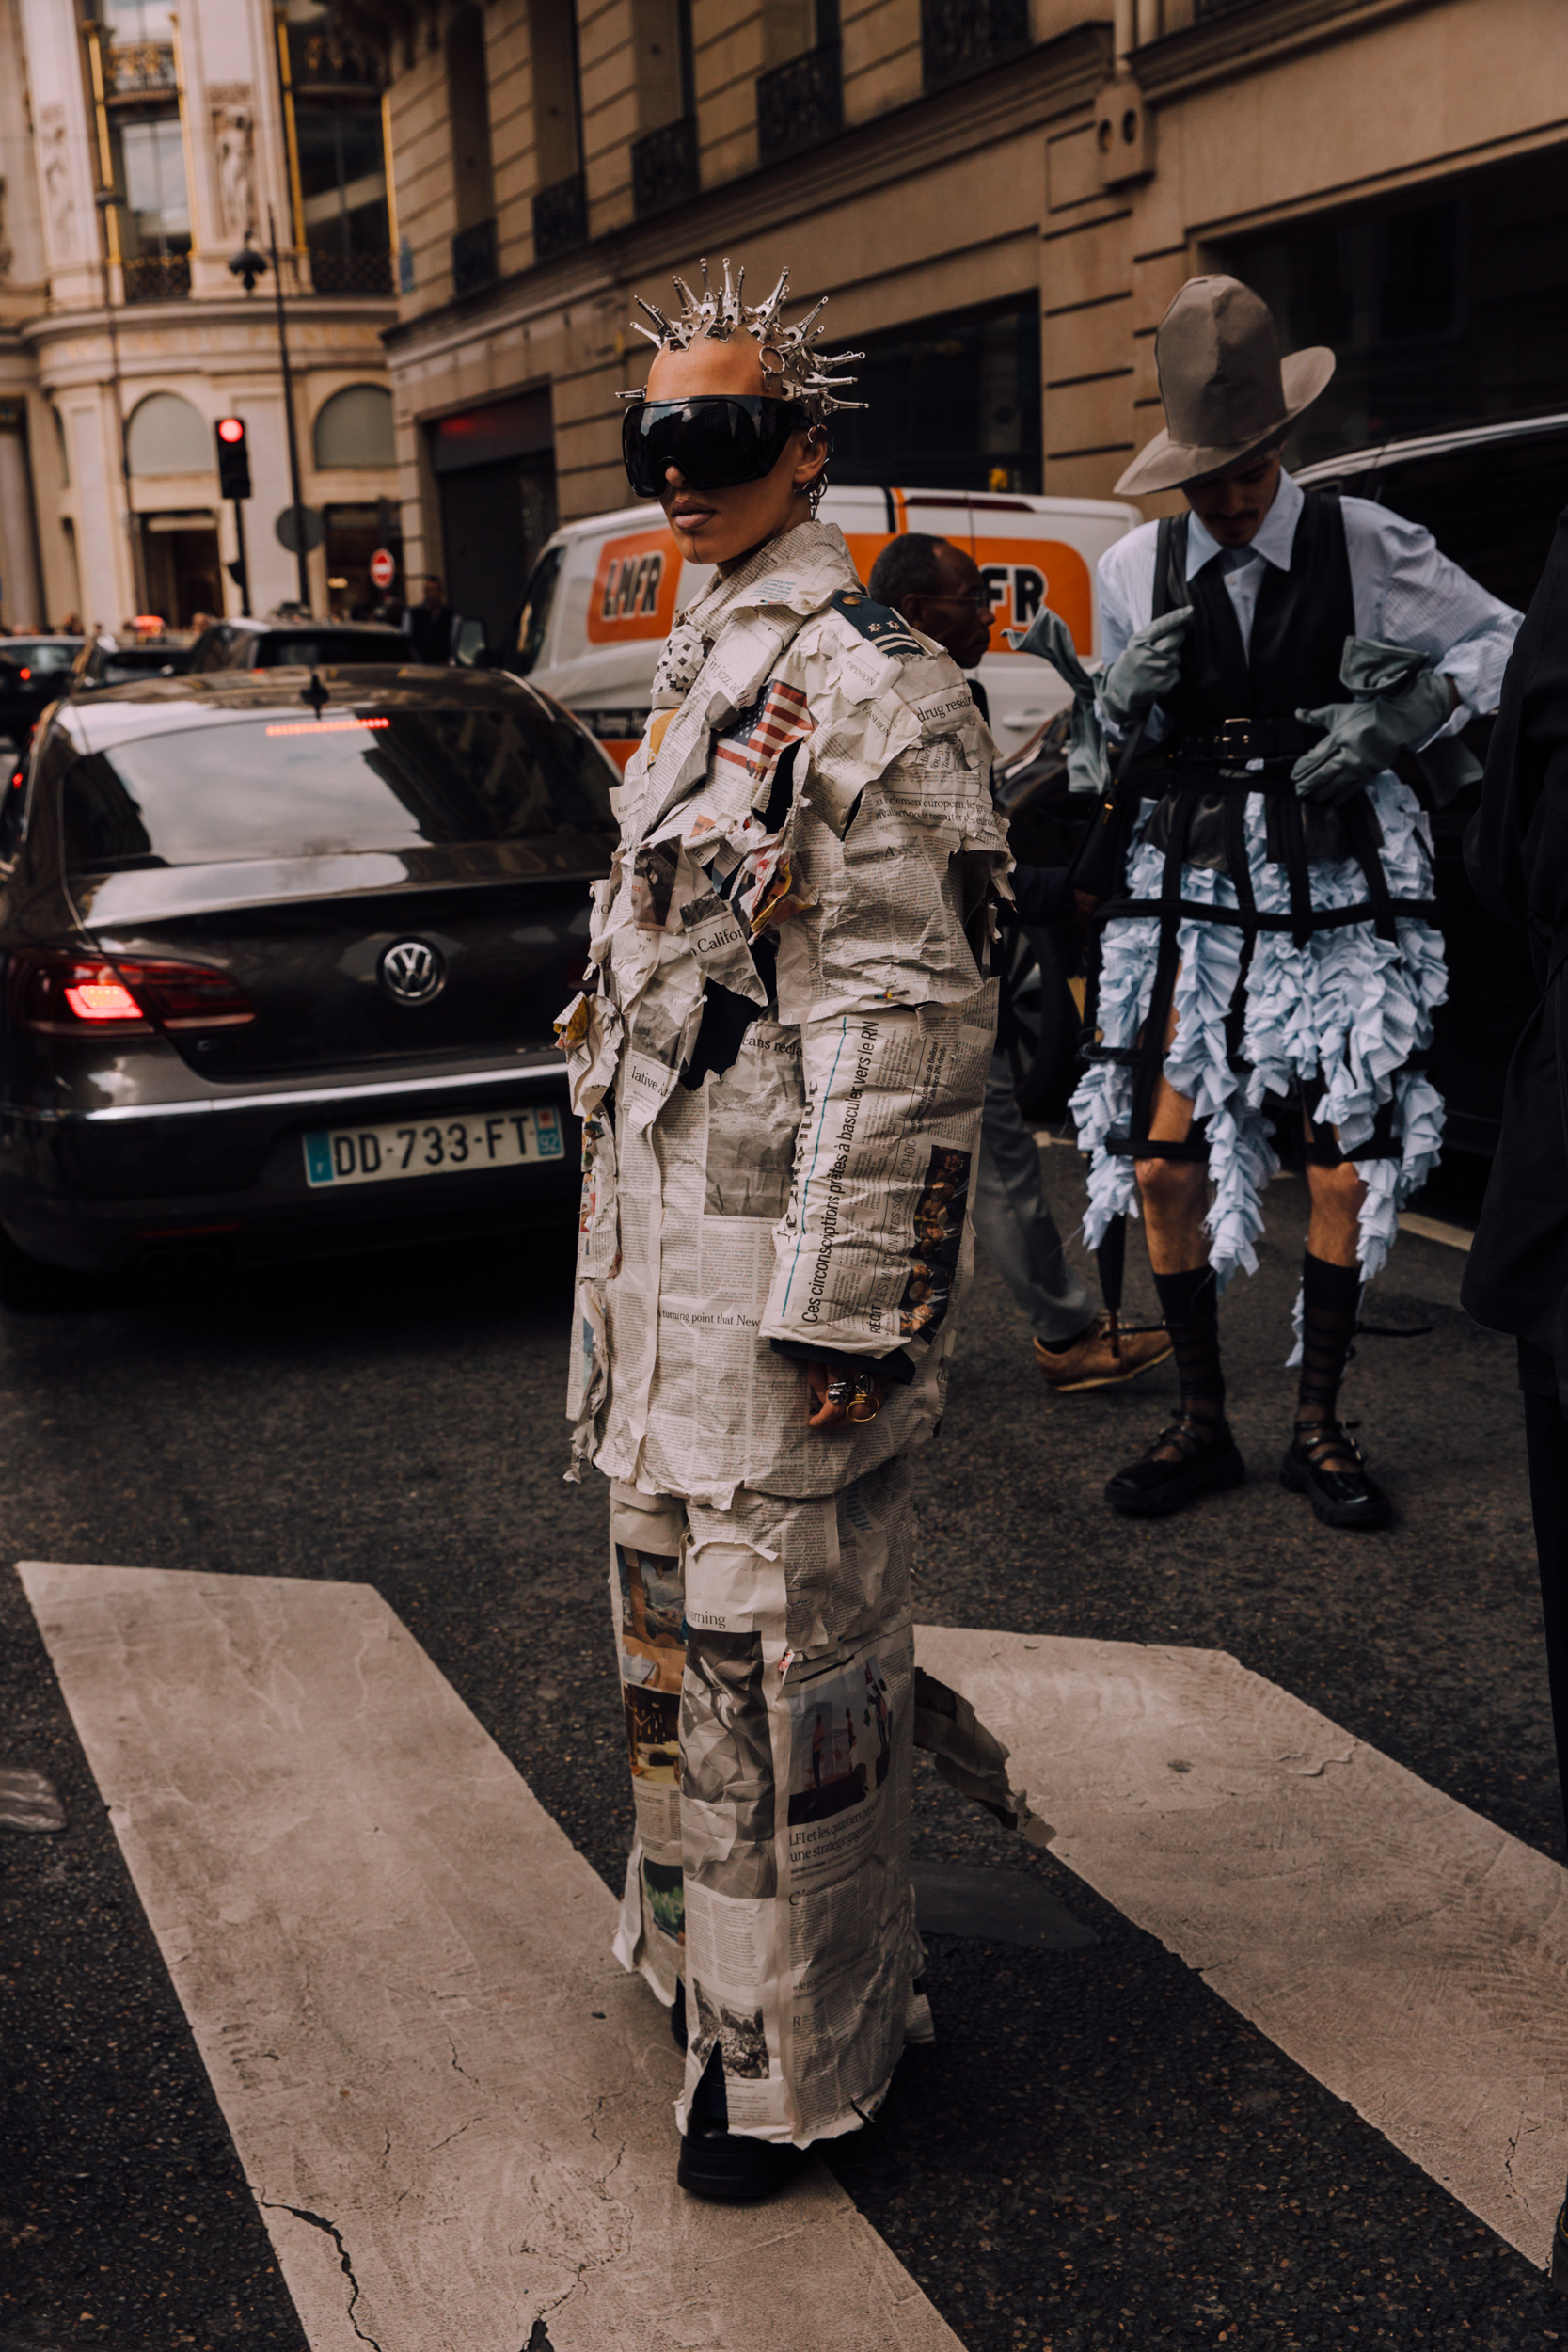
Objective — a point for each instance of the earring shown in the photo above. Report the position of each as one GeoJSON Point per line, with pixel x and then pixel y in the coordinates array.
{"type": "Point", "coordinates": [816, 493]}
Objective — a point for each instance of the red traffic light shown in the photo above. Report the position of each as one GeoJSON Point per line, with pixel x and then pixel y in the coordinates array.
{"type": "Point", "coordinates": [230, 429]}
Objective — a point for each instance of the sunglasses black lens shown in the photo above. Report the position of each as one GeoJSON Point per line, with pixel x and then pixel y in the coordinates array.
{"type": "Point", "coordinates": [713, 443]}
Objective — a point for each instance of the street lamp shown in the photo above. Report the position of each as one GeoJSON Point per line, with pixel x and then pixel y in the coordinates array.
{"type": "Point", "coordinates": [107, 201]}
{"type": "Point", "coordinates": [249, 266]}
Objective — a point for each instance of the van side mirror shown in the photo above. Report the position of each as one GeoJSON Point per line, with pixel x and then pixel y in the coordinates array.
{"type": "Point", "coordinates": [472, 648]}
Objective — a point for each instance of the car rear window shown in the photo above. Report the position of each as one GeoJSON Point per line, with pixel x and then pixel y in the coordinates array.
{"type": "Point", "coordinates": [133, 661]}
{"type": "Point", "coordinates": [32, 656]}
{"type": "Point", "coordinates": [282, 786]}
{"type": "Point", "coordinates": [279, 650]}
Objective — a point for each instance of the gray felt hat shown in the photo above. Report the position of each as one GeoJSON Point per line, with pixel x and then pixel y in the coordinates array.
{"type": "Point", "coordinates": [1226, 390]}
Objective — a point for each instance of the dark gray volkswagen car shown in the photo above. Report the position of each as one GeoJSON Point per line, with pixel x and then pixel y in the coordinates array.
{"type": "Point", "coordinates": [280, 962]}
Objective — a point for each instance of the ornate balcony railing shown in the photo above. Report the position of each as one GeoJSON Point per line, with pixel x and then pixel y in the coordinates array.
{"type": "Point", "coordinates": [473, 258]}
{"type": "Point", "coordinates": [800, 104]}
{"type": "Point", "coordinates": [157, 276]}
{"type": "Point", "coordinates": [959, 38]}
{"type": "Point", "coordinates": [140, 68]}
{"type": "Point", "coordinates": [664, 167]}
{"type": "Point", "coordinates": [561, 217]}
{"type": "Point", "coordinates": [350, 273]}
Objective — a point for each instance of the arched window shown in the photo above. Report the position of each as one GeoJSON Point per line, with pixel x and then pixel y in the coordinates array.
{"type": "Point", "coordinates": [354, 428]}
{"type": "Point", "coordinates": [166, 435]}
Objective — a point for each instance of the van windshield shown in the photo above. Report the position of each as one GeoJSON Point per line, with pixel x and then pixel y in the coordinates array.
{"type": "Point", "coordinates": [344, 782]}
{"type": "Point", "coordinates": [534, 625]}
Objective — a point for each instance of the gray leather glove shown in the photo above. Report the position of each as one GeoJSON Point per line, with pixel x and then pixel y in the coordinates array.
{"type": "Point", "coordinates": [1148, 667]}
{"type": "Point", "coordinates": [1399, 704]}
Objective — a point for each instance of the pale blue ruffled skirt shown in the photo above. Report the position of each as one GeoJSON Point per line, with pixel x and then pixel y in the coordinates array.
{"type": "Point", "coordinates": [1348, 1004]}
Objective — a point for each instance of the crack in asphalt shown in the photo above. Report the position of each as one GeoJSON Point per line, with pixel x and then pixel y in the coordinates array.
{"type": "Point", "coordinates": [330, 2229]}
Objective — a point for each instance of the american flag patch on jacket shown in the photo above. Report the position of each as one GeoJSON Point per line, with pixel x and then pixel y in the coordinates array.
{"type": "Point", "coordinates": [756, 737]}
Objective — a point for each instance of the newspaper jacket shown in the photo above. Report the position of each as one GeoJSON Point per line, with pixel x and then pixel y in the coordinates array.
{"type": "Point", "coordinates": [781, 1050]}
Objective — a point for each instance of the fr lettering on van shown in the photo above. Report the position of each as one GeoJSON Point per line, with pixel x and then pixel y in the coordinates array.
{"type": "Point", "coordinates": [1027, 589]}
{"type": "Point", "coordinates": [631, 586]}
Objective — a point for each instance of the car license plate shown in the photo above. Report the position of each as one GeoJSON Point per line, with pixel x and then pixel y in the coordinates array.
{"type": "Point", "coordinates": [449, 1146]}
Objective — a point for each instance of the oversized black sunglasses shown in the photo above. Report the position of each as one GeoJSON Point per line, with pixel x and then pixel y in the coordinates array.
{"type": "Point", "coordinates": [714, 441]}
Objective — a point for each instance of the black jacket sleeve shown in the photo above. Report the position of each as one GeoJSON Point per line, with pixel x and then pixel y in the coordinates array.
{"type": "Point", "coordinates": [1516, 849]}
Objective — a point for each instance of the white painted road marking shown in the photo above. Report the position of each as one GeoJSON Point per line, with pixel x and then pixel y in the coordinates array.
{"type": "Point", "coordinates": [454, 2109]}
{"type": "Point", "coordinates": [1433, 1228]}
{"type": "Point", "coordinates": [1409, 1954]}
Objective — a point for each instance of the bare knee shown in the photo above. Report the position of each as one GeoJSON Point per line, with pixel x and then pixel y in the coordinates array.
{"type": "Point", "coordinates": [1168, 1186]}
{"type": "Point", "coordinates": [1340, 1188]}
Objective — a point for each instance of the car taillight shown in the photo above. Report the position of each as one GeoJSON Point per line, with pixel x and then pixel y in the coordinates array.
{"type": "Point", "coordinates": [64, 994]}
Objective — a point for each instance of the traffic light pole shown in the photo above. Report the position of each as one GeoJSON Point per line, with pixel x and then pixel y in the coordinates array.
{"type": "Point", "coordinates": [301, 556]}
{"type": "Point", "coordinates": [241, 567]}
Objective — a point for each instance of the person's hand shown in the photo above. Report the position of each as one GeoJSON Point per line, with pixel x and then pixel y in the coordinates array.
{"type": "Point", "coordinates": [1362, 738]}
{"type": "Point", "coordinates": [1148, 667]}
{"type": "Point", "coordinates": [838, 1398]}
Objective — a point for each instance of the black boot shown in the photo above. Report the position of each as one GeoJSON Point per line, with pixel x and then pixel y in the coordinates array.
{"type": "Point", "coordinates": [725, 2166]}
{"type": "Point", "coordinates": [1322, 1463]}
{"type": "Point", "coordinates": [1197, 1454]}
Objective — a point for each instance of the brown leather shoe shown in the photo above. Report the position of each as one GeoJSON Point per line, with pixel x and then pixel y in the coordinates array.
{"type": "Point", "coordinates": [1097, 1360]}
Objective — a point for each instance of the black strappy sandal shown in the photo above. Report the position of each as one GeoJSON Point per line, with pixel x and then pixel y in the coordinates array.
{"type": "Point", "coordinates": [1340, 1496]}
{"type": "Point", "coordinates": [1203, 1460]}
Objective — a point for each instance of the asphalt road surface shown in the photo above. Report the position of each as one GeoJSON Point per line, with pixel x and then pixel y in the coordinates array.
{"type": "Point", "coordinates": [1099, 2150]}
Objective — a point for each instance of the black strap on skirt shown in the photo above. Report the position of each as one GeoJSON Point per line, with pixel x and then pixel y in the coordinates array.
{"type": "Point", "coordinates": [1190, 782]}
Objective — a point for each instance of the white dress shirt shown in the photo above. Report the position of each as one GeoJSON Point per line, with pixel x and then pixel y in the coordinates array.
{"type": "Point", "coordinates": [1406, 591]}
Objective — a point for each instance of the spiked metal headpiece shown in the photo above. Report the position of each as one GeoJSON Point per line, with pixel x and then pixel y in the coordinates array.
{"type": "Point", "coordinates": [789, 360]}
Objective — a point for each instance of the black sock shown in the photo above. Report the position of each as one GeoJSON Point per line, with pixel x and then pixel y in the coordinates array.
{"type": "Point", "coordinates": [708, 2099]}
{"type": "Point", "coordinates": [1190, 1305]}
{"type": "Point", "coordinates": [1331, 1302]}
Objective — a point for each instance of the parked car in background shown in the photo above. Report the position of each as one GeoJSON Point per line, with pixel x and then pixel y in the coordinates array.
{"type": "Point", "coordinates": [281, 967]}
{"type": "Point", "coordinates": [252, 645]}
{"type": "Point", "coordinates": [1491, 495]}
{"type": "Point", "coordinates": [118, 657]}
{"type": "Point", "coordinates": [33, 672]}
{"type": "Point", "coordinates": [603, 593]}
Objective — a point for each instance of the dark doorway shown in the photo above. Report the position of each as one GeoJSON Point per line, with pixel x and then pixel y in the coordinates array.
{"type": "Point", "coordinates": [1448, 306]}
{"type": "Point", "coordinates": [181, 567]}
{"type": "Point", "coordinates": [496, 469]}
{"type": "Point", "coordinates": [952, 403]}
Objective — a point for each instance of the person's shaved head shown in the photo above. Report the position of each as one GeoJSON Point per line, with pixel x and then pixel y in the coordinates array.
{"type": "Point", "coordinates": [732, 368]}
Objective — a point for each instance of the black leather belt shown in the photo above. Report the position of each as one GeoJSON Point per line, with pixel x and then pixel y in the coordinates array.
{"type": "Point", "coordinates": [1235, 741]}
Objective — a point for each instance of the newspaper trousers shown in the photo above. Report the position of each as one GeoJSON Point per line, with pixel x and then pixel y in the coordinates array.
{"type": "Point", "coordinates": [1013, 1224]}
{"type": "Point", "coordinates": [766, 1672]}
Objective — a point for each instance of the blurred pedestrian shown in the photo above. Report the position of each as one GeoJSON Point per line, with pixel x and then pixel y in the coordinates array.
{"type": "Point", "coordinates": [432, 625]}
{"type": "Point", "coordinates": [938, 589]}
{"type": "Point", "coordinates": [1285, 654]}
{"type": "Point", "coordinates": [1516, 1276]}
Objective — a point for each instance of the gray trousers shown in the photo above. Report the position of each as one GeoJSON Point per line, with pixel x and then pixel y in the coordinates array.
{"type": "Point", "coordinates": [1013, 1222]}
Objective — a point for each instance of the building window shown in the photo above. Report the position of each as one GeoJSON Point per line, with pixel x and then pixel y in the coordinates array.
{"type": "Point", "coordinates": [561, 203]}
{"type": "Point", "coordinates": [332, 87]}
{"type": "Point", "coordinates": [165, 435]}
{"type": "Point", "coordinates": [354, 428]}
{"type": "Point", "coordinates": [664, 161]}
{"type": "Point", "coordinates": [953, 404]}
{"type": "Point", "coordinates": [473, 244]}
{"type": "Point", "coordinates": [959, 38]}
{"type": "Point", "coordinates": [801, 101]}
{"type": "Point", "coordinates": [142, 147]}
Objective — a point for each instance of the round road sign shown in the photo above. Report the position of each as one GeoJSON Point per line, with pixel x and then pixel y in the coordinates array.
{"type": "Point", "coordinates": [296, 523]}
{"type": "Point", "coordinates": [383, 569]}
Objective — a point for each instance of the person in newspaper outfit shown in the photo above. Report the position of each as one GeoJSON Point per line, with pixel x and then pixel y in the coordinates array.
{"type": "Point", "coordinates": [779, 1055]}
{"type": "Point", "coordinates": [1279, 664]}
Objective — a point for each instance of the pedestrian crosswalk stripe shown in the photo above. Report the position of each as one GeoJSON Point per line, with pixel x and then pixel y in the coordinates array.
{"type": "Point", "coordinates": [454, 2110]}
{"type": "Point", "coordinates": [1410, 1955]}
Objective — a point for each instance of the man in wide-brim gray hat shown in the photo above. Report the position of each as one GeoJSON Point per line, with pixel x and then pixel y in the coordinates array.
{"type": "Point", "coordinates": [1270, 656]}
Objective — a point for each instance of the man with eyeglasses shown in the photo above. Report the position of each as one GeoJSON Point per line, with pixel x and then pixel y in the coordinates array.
{"type": "Point", "coordinates": [788, 982]}
{"type": "Point", "coordinates": [938, 590]}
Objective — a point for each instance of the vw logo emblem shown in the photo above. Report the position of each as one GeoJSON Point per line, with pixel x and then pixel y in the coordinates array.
{"type": "Point", "coordinates": [413, 971]}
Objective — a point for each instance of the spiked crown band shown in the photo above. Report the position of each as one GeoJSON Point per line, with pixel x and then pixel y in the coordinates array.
{"type": "Point", "coordinates": [790, 364]}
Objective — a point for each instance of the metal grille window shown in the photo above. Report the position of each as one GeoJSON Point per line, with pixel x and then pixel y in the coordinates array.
{"type": "Point", "coordinates": [561, 217]}
{"type": "Point", "coordinates": [664, 167]}
{"type": "Point", "coordinates": [137, 93]}
{"type": "Point", "coordinates": [959, 38]}
{"type": "Point", "coordinates": [801, 103]}
{"type": "Point", "coordinates": [338, 154]}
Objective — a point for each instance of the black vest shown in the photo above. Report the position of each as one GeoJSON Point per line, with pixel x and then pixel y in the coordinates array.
{"type": "Point", "coordinates": [1300, 625]}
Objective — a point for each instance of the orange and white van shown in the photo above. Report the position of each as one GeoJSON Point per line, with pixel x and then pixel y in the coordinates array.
{"type": "Point", "coordinates": [604, 593]}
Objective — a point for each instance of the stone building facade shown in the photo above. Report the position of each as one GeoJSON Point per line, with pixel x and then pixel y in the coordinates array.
{"type": "Point", "coordinates": [141, 143]}
{"type": "Point", "coordinates": [999, 196]}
